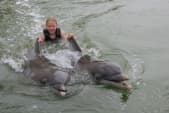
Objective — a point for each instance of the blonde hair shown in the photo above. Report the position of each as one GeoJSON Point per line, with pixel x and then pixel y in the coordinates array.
{"type": "Point", "coordinates": [51, 19]}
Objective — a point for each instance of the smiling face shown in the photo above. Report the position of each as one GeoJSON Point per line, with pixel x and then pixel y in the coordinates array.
{"type": "Point", "coordinates": [51, 25]}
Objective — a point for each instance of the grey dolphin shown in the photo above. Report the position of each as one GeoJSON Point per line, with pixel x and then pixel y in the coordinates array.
{"type": "Point", "coordinates": [104, 72]}
{"type": "Point", "coordinates": [39, 68]}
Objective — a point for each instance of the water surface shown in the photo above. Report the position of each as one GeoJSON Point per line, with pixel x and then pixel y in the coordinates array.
{"type": "Point", "coordinates": [132, 33]}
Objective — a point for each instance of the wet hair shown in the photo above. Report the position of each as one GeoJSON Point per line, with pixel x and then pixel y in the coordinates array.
{"type": "Point", "coordinates": [51, 19]}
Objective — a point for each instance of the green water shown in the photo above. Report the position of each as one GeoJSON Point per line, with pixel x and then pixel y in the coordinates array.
{"type": "Point", "coordinates": [132, 33]}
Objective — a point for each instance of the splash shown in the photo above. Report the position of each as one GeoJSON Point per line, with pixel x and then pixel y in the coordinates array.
{"type": "Point", "coordinates": [20, 30]}
{"type": "Point", "coordinates": [16, 64]}
{"type": "Point", "coordinates": [94, 52]}
{"type": "Point", "coordinates": [26, 10]}
{"type": "Point", "coordinates": [137, 69]}
{"type": "Point", "coordinates": [63, 58]}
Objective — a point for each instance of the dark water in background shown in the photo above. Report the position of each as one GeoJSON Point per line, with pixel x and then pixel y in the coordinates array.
{"type": "Point", "coordinates": [132, 33]}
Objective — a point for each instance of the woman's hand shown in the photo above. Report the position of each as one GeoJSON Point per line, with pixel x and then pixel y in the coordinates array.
{"type": "Point", "coordinates": [41, 39]}
{"type": "Point", "coordinates": [69, 36]}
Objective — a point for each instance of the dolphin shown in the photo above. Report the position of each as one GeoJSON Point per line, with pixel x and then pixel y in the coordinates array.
{"type": "Point", "coordinates": [101, 71]}
{"type": "Point", "coordinates": [40, 69]}
{"type": "Point", "coordinates": [104, 72]}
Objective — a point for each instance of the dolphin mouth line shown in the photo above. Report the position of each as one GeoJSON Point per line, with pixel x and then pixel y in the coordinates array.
{"type": "Point", "coordinates": [62, 90]}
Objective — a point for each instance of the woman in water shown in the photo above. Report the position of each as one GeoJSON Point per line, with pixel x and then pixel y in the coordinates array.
{"type": "Point", "coordinates": [52, 32]}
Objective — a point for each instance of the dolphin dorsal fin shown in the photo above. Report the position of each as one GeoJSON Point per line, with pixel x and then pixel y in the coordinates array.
{"type": "Point", "coordinates": [75, 45]}
{"type": "Point", "coordinates": [37, 47]}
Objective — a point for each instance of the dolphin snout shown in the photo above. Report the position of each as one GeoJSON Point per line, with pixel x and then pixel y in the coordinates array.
{"type": "Point", "coordinates": [124, 77]}
{"type": "Point", "coordinates": [60, 90]}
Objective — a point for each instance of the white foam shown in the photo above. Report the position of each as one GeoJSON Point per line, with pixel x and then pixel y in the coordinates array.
{"type": "Point", "coordinates": [26, 9]}
{"type": "Point", "coordinates": [15, 64]}
{"type": "Point", "coordinates": [63, 58]}
{"type": "Point", "coordinates": [94, 52]}
{"type": "Point", "coordinates": [137, 69]}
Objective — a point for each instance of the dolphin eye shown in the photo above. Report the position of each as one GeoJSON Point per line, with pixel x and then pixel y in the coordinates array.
{"type": "Point", "coordinates": [87, 57]}
{"type": "Point", "coordinates": [80, 61]}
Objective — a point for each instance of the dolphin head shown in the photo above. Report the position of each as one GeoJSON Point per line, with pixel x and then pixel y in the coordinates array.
{"type": "Point", "coordinates": [58, 81]}
{"type": "Point", "coordinates": [85, 59]}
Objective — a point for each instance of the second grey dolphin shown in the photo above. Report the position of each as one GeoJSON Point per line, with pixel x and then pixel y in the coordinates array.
{"type": "Point", "coordinates": [104, 72]}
